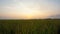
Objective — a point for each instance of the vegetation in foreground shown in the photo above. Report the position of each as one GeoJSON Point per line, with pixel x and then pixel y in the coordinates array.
{"type": "Point", "coordinates": [44, 26]}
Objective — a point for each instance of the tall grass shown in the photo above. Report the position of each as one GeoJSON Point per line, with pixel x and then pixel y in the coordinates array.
{"type": "Point", "coordinates": [29, 26]}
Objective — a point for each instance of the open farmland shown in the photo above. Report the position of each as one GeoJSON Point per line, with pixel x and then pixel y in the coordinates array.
{"type": "Point", "coordinates": [34, 26]}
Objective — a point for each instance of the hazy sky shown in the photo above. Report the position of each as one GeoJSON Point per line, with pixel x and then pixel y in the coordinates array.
{"type": "Point", "coordinates": [28, 9]}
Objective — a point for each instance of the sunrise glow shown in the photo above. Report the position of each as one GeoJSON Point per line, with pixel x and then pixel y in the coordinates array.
{"type": "Point", "coordinates": [28, 9]}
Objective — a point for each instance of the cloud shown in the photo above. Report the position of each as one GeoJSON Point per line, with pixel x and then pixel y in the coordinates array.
{"type": "Point", "coordinates": [24, 8]}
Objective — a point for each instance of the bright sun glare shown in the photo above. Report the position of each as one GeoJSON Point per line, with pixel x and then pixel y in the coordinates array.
{"type": "Point", "coordinates": [29, 13]}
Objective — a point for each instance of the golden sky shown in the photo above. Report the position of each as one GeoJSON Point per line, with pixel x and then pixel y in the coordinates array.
{"type": "Point", "coordinates": [28, 9]}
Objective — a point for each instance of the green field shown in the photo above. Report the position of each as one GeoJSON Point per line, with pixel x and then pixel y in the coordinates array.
{"type": "Point", "coordinates": [35, 26]}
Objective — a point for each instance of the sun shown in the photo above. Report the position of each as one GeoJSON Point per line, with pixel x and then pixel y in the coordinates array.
{"type": "Point", "coordinates": [28, 14]}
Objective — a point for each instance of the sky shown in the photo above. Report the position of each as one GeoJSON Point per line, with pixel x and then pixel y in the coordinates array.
{"type": "Point", "coordinates": [29, 9]}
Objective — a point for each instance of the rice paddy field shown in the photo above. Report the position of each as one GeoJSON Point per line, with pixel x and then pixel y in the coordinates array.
{"type": "Point", "coordinates": [33, 26]}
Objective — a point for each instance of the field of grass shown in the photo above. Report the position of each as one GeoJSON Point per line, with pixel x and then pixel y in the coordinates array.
{"type": "Point", "coordinates": [38, 26]}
